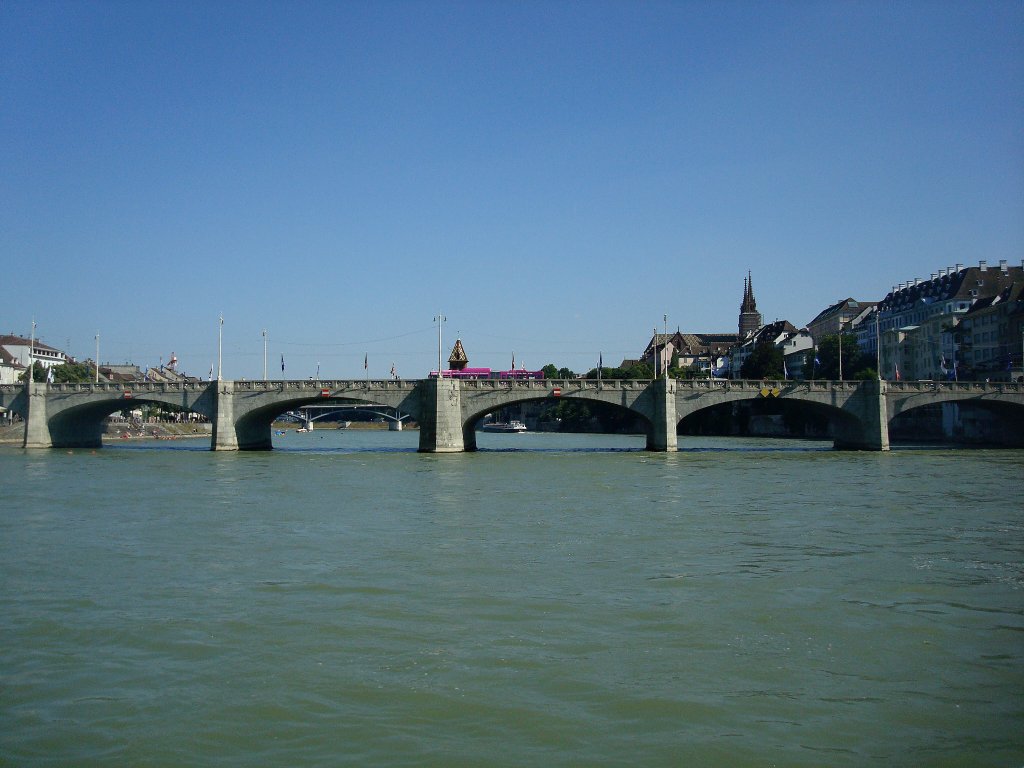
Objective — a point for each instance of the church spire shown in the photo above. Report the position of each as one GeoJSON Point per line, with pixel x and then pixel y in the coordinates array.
{"type": "Point", "coordinates": [750, 318]}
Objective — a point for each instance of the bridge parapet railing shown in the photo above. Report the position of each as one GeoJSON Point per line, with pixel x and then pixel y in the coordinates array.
{"type": "Point", "coordinates": [970, 387]}
{"type": "Point", "coordinates": [316, 385]}
{"type": "Point", "coordinates": [127, 386]}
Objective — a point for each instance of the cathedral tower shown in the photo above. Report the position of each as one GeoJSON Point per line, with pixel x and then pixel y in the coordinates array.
{"type": "Point", "coordinates": [750, 318]}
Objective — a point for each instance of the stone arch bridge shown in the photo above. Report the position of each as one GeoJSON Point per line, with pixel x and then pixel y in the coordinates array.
{"type": "Point", "coordinates": [72, 415]}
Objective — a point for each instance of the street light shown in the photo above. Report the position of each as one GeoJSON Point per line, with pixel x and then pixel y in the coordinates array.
{"type": "Point", "coordinates": [657, 357]}
{"type": "Point", "coordinates": [665, 319]}
{"type": "Point", "coordinates": [840, 349]}
{"type": "Point", "coordinates": [220, 347]}
{"type": "Point", "coordinates": [439, 319]}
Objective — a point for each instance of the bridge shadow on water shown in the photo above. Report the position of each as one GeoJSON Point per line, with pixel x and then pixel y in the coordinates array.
{"type": "Point", "coordinates": [320, 449]}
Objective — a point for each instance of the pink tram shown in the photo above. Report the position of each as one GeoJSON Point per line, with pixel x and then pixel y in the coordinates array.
{"type": "Point", "coordinates": [487, 373]}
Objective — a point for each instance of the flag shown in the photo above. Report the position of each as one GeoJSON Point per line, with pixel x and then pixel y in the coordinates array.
{"type": "Point", "coordinates": [898, 378]}
{"type": "Point", "coordinates": [785, 371]}
{"type": "Point", "coordinates": [366, 360]}
{"type": "Point", "coordinates": [49, 375]}
{"type": "Point", "coordinates": [282, 363]}
{"type": "Point", "coordinates": [393, 374]}
{"type": "Point", "coordinates": [211, 373]}
{"type": "Point", "coordinates": [513, 361]}
{"type": "Point", "coordinates": [942, 366]}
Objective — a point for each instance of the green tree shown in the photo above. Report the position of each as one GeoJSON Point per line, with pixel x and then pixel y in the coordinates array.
{"type": "Point", "coordinates": [856, 365]}
{"type": "Point", "coordinates": [634, 371]}
{"type": "Point", "coordinates": [551, 372]}
{"type": "Point", "coordinates": [74, 373]}
{"type": "Point", "coordinates": [765, 362]}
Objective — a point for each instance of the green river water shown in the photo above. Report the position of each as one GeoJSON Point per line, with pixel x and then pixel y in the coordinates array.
{"type": "Point", "coordinates": [551, 600]}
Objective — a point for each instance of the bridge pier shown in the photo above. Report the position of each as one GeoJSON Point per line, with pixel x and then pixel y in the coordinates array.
{"type": "Point", "coordinates": [225, 437]}
{"type": "Point", "coordinates": [871, 430]}
{"type": "Point", "coordinates": [441, 417]}
{"type": "Point", "coordinates": [662, 436]}
{"type": "Point", "coordinates": [37, 425]}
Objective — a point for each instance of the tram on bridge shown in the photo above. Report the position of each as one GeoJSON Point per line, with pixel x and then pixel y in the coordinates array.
{"type": "Point", "coordinates": [520, 374]}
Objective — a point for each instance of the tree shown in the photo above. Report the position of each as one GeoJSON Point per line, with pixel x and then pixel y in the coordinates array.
{"type": "Point", "coordinates": [74, 373]}
{"type": "Point", "coordinates": [765, 362]}
{"type": "Point", "coordinates": [551, 372]}
{"type": "Point", "coordinates": [856, 364]}
{"type": "Point", "coordinates": [634, 371]}
{"type": "Point", "coordinates": [68, 373]}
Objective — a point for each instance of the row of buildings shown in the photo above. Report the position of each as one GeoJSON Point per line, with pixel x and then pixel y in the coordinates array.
{"type": "Point", "coordinates": [16, 352]}
{"type": "Point", "coordinates": [961, 323]}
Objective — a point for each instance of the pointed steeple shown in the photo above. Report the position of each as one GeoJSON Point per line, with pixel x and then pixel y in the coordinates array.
{"type": "Point", "coordinates": [750, 318]}
{"type": "Point", "coordinates": [458, 359]}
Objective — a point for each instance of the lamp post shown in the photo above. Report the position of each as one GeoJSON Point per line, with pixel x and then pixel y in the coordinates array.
{"type": "Point", "coordinates": [31, 347]}
{"type": "Point", "coordinates": [220, 348]}
{"type": "Point", "coordinates": [665, 320]}
{"type": "Point", "coordinates": [840, 350]}
{"type": "Point", "coordinates": [264, 354]}
{"type": "Point", "coordinates": [657, 358]}
{"type": "Point", "coordinates": [439, 320]}
{"type": "Point", "coordinates": [878, 342]}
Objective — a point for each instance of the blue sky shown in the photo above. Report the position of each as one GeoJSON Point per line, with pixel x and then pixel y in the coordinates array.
{"type": "Point", "coordinates": [553, 177]}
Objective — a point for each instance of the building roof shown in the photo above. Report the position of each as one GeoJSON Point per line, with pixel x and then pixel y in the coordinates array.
{"type": "Point", "coordinates": [693, 343]}
{"type": "Point", "coordinates": [771, 333]}
{"type": "Point", "coordinates": [10, 340]}
{"type": "Point", "coordinates": [961, 284]}
{"type": "Point", "coordinates": [1011, 294]}
{"type": "Point", "coordinates": [458, 354]}
{"type": "Point", "coordinates": [838, 308]}
{"type": "Point", "coordinates": [6, 358]}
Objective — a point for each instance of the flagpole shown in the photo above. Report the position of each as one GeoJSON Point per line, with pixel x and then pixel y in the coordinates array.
{"type": "Point", "coordinates": [264, 354]}
{"type": "Point", "coordinates": [97, 357]}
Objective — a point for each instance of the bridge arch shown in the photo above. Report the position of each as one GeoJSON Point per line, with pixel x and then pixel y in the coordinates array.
{"type": "Point", "coordinates": [482, 397]}
{"type": "Point", "coordinates": [803, 418]}
{"type": "Point", "coordinates": [74, 415]}
{"type": "Point", "coordinates": [940, 411]}
{"type": "Point", "coordinates": [854, 410]}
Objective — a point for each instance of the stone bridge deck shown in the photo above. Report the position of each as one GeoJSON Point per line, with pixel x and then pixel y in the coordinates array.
{"type": "Point", "coordinates": [72, 415]}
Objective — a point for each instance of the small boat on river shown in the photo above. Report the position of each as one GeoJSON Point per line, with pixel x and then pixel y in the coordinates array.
{"type": "Point", "coordinates": [513, 426]}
